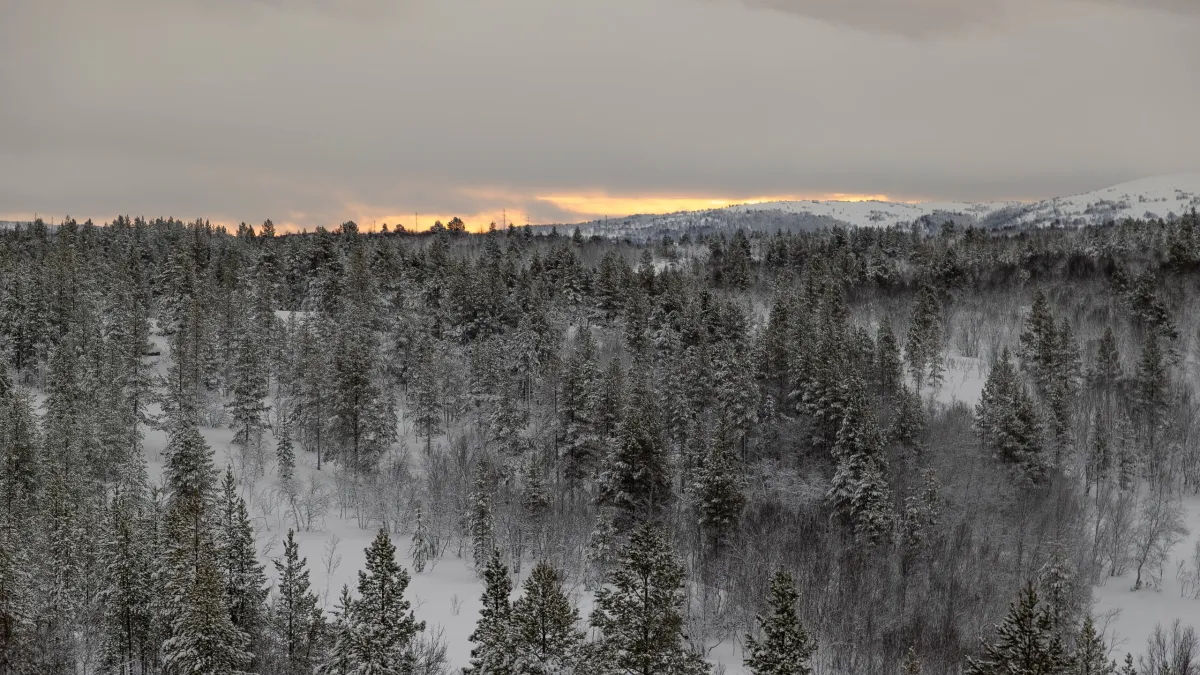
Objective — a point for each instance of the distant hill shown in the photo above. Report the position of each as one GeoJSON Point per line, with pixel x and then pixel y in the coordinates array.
{"type": "Point", "coordinates": [1166, 197]}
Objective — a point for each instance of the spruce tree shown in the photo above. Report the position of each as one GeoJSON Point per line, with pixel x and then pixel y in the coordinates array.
{"type": "Point", "coordinates": [638, 612]}
{"type": "Point", "coordinates": [422, 548]}
{"type": "Point", "coordinates": [859, 490]}
{"type": "Point", "coordinates": [924, 345]}
{"type": "Point", "coordinates": [785, 647]}
{"type": "Point", "coordinates": [1038, 344]}
{"type": "Point", "coordinates": [546, 638]}
{"type": "Point", "coordinates": [376, 630]}
{"type": "Point", "coordinates": [480, 521]}
{"type": "Point", "coordinates": [719, 489]}
{"type": "Point", "coordinates": [636, 479]}
{"type": "Point", "coordinates": [1008, 423]}
{"type": "Point", "coordinates": [285, 455]}
{"type": "Point", "coordinates": [127, 552]}
{"type": "Point", "coordinates": [1091, 653]}
{"type": "Point", "coordinates": [203, 639]}
{"type": "Point", "coordinates": [1026, 643]}
{"type": "Point", "coordinates": [425, 396]}
{"type": "Point", "coordinates": [193, 600]}
{"type": "Point", "coordinates": [248, 407]}
{"type": "Point", "coordinates": [244, 580]}
{"type": "Point", "coordinates": [295, 622]}
{"type": "Point", "coordinates": [889, 368]}
{"type": "Point", "coordinates": [578, 411]}
{"type": "Point", "coordinates": [493, 653]}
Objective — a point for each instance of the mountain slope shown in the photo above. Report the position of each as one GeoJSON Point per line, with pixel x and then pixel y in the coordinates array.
{"type": "Point", "coordinates": [1165, 197]}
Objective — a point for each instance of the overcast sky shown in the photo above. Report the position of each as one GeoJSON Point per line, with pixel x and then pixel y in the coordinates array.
{"type": "Point", "coordinates": [314, 111]}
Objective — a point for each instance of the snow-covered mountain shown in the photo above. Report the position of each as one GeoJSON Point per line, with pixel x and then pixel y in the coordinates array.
{"type": "Point", "coordinates": [1165, 197]}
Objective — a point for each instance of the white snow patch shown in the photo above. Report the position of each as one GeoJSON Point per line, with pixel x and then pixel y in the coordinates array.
{"type": "Point", "coordinates": [1137, 612]}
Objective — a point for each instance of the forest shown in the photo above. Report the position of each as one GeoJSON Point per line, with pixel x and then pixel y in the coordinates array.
{"type": "Point", "coordinates": [724, 452]}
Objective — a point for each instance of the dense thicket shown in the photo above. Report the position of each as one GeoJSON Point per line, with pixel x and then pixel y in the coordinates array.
{"type": "Point", "coordinates": [675, 421]}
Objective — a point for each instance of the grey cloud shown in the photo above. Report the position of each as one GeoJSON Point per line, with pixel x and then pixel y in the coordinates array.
{"type": "Point", "coordinates": [939, 18]}
{"type": "Point", "coordinates": [246, 110]}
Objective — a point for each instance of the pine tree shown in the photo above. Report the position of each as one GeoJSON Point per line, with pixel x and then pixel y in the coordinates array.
{"type": "Point", "coordinates": [889, 368]}
{"type": "Point", "coordinates": [859, 489]}
{"type": "Point", "coordinates": [339, 660]}
{"type": "Point", "coordinates": [1091, 653]}
{"type": "Point", "coordinates": [924, 345]}
{"type": "Point", "coordinates": [493, 653]}
{"type": "Point", "coordinates": [785, 647]}
{"type": "Point", "coordinates": [637, 612]}
{"type": "Point", "coordinates": [1025, 644]}
{"type": "Point", "coordinates": [636, 479]}
{"type": "Point", "coordinates": [719, 489]}
{"type": "Point", "coordinates": [577, 409]}
{"type": "Point", "coordinates": [202, 638]}
{"type": "Point", "coordinates": [244, 580]}
{"type": "Point", "coordinates": [425, 397]}
{"type": "Point", "coordinates": [375, 631]}
{"type": "Point", "coordinates": [248, 406]}
{"type": "Point", "coordinates": [908, 427]}
{"type": "Point", "coordinates": [545, 634]}
{"type": "Point", "coordinates": [285, 455]}
{"type": "Point", "coordinates": [480, 521]}
{"type": "Point", "coordinates": [422, 548]}
{"type": "Point", "coordinates": [295, 622]}
{"type": "Point", "coordinates": [1039, 344]}
{"type": "Point", "coordinates": [1008, 424]}
{"type": "Point", "coordinates": [127, 558]}
{"type": "Point", "coordinates": [1152, 380]}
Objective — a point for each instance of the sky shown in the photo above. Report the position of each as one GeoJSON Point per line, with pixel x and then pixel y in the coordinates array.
{"type": "Point", "coordinates": [312, 112]}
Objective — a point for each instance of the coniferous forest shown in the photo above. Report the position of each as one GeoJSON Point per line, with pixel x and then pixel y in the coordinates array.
{"type": "Point", "coordinates": [711, 452]}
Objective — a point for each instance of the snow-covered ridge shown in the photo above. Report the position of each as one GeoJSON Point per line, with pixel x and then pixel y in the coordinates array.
{"type": "Point", "coordinates": [1165, 197]}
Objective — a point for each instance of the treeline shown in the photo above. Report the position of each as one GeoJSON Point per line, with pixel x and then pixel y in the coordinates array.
{"type": "Point", "coordinates": [719, 408]}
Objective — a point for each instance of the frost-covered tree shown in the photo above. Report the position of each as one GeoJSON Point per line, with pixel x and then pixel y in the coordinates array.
{"type": "Point", "coordinates": [636, 477]}
{"type": "Point", "coordinates": [719, 489]}
{"type": "Point", "coordinates": [546, 637]}
{"type": "Point", "coordinates": [924, 347]}
{"type": "Point", "coordinates": [578, 411]}
{"type": "Point", "coordinates": [296, 623]}
{"type": "Point", "coordinates": [1008, 424]}
{"type": "Point", "coordinates": [1025, 644]}
{"type": "Point", "coordinates": [480, 521]}
{"type": "Point", "coordinates": [859, 490]}
{"type": "Point", "coordinates": [422, 548]}
{"type": "Point", "coordinates": [127, 554]}
{"type": "Point", "coordinates": [784, 646]}
{"type": "Point", "coordinates": [1091, 652]}
{"type": "Point", "coordinates": [638, 612]}
{"type": "Point", "coordinates": [247, 408]}
{"type": "Point", "coordinates": [245, 581]}
{"type": "Point", "coordinates": [494, 653]}
{"type": "Point", "coordinates": [375, 631]}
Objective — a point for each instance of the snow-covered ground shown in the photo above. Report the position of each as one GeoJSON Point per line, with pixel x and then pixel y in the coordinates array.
{"type": "Point", "coordinates": [445, 595]}
{"type": "Point", "coordinates": [1135, 613]}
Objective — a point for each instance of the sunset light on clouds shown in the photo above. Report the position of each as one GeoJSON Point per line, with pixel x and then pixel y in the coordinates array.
{"type": "Point", "coordinates": [511, 209]}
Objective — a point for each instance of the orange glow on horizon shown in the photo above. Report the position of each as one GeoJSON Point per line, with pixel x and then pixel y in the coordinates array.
{"type": "Point", "coordinates": [596, 205]}
{"type": "Point", "coordinates": [577, 207]}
